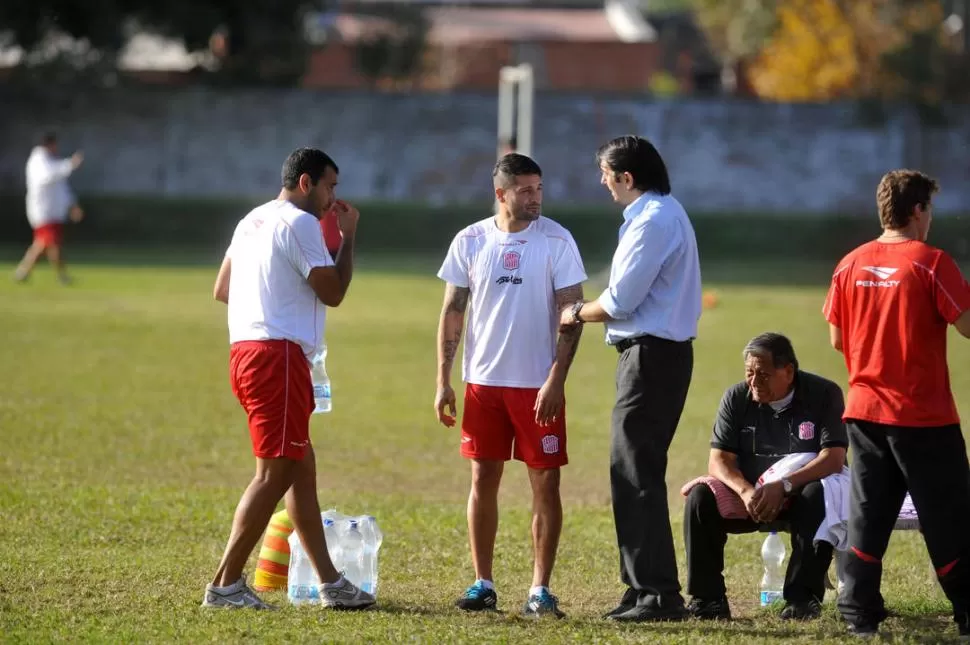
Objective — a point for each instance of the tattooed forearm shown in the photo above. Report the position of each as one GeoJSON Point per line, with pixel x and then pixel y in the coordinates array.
{"type": "Point", "coordinates": [449, 329]}
{"type": "Point", "coordinates": [450, 346]}
{"type": "Point", "coordinates": [567, 296]}
{"type": "Point", "coordinates": [568, 341]}
{"type": "Point", "coordinates": [456, 298]}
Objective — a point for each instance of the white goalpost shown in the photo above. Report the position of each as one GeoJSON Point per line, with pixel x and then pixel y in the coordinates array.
{"type": "Point", "coordinates": [516, 91]}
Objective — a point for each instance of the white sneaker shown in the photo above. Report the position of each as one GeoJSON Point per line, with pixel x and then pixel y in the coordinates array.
{"type": "Point", "coordinates": [344, 594]}
{"type": "Point", "coordinates": [235, 596]}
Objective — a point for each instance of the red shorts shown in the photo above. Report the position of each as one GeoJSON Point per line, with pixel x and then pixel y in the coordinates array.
{"type": "Point", "coordinates": [49, 234]}
{"type": "Point", "coordinates": [271, 379]}
{"type": "Point", "coordinates": [498, 418]}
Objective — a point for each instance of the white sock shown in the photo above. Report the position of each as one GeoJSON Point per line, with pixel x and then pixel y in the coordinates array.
{"type": "Point", "coordinates": [535, 590]}
{"type": "Point", "coordinates": [336, 583]}
{"type": "Point", "coordinates": [485, 583]}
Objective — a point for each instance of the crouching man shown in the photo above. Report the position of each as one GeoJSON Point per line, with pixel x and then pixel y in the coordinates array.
{"type": "Point", "coordinates": [776, 411]}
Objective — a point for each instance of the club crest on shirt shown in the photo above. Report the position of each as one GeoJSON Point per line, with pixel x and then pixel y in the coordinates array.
{"type": "Point", "coordinates": [550, 444]}
{"type": "Point", "coordinates": [510, 260]}
{"type": "Point", "coordinates": [806, 430]}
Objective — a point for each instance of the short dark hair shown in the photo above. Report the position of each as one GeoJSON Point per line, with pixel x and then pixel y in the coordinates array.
{"type": "Point", "coordinates": [48, 138]}
{"type": "Point", "coordinates": [776, 345]}
{"type": "Point", "coordinates": [515, 165]}
{"type": "Point", "coordinates": [311, 161]}
{"type": "Point", "coordinates": [898, 194]}
{"type": "Point", "coordinates": [638, 157]}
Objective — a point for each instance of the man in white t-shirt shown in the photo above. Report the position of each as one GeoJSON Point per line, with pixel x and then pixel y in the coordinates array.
{"type": "Point", "coordinates": [50, 202]}
{"type": "Point", "coordinates": [278, 278]}
{"type": "Point", "coordinates": [518, 270]}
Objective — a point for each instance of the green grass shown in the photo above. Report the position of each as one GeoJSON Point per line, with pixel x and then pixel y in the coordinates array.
{"type": "Point", "coordinates": [124, 453]}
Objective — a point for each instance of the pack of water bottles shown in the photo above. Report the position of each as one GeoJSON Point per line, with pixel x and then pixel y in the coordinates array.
{"type": "Point", "coordinates": [353, 542]}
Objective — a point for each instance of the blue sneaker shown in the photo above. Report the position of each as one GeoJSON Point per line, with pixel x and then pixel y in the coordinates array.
{"type": "Point", "coordinates": [477, 598]}
{"type": "Point", "coordinates": [542, 604]}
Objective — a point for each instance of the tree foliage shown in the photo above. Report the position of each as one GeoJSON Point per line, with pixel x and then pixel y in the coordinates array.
{"type": "Point", "coordinates": [264, 38]}
{"type": "Point", "coordinates": [819, 50]}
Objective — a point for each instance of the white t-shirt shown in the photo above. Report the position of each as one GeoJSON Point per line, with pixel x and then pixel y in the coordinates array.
{"type": "Point", "coordinates": [513, 323]}
{"type": "Point", "coordinates": [49, 196]}
{"type": "Point", "coordinates": [272, 251]}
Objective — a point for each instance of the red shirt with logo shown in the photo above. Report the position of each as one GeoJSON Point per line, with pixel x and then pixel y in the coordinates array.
{"type": "Point", "coordinates": [893, 304]}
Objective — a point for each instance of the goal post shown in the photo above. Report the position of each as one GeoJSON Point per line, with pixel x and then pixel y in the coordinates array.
{"type": "Point", "coordinates": [516, 93]}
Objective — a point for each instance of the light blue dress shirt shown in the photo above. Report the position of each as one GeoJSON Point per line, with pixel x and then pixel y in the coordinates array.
{"type": "Point", "coordinates": [655, 277]}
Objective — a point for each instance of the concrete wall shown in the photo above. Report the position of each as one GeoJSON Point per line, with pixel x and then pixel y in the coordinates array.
{"type": "Point", "coordinates": [440, 148]}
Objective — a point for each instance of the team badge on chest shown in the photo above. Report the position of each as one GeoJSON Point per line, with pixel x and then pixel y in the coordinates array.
{"type": "Point", "coordinates": [806, 430]}
{"type": "Point", "coordinates": [510, 260]}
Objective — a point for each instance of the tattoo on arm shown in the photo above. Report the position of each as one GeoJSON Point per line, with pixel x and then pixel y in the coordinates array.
{"type": "Point", "coordinates": [450, 327]}
{"type": "Point", "coordinates": [450, 345]}
{"type": "Point", "coordinates": [568, 341]}
{"type": "Point", "coordinates": [456, 299]}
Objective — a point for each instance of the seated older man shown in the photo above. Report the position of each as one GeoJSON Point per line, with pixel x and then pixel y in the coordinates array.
{"type": "Point", "coordinates": [776, 411]}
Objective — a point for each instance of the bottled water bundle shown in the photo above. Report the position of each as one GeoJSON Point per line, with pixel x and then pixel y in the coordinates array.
{"type": "Point", "coordinates": [353, 542]}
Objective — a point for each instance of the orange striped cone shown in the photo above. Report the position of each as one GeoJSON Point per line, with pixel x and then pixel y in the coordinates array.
{"type": "Point", "coordinates": [274, 556]}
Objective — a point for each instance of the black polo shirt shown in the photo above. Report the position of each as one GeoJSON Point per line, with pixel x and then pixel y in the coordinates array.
{"type": "Point", "coordinates": [760, 436]}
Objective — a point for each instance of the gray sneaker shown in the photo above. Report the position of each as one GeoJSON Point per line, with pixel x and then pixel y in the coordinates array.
{"type": "Point", "coordinates": [344, 594]}
{"type": "Point", "coordinates": [236, 596]}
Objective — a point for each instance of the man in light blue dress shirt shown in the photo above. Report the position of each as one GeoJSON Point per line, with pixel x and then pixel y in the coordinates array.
{"type": "Point", "coordinates": [650, 310]}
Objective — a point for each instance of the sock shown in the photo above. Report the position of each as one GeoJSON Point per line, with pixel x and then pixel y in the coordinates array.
{"type": "Point", "coordinates": [534, 591]}
{"type": "Point", "coordinates": [234, 587]}
{"type": "Point", "coordinates": [486, 583]}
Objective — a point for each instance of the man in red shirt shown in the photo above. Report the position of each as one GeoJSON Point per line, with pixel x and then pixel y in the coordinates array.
{"type": "Point", "coordinates": [888, 308]}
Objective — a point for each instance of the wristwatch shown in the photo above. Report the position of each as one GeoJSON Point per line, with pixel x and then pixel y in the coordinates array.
{"type": "Point", "coordinates": [575, 311]}
{"type": "Point", "coordinates": [786, 484]}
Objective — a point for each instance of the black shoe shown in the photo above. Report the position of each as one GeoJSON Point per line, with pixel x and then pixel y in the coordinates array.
{"type": "Point", "coordinates": [654, 610]}
{"type": "Point", "coordinates": [805, 610]}
{"type": "Point", "coordinates": [863, 630]}
{"type": "Point", "coordinates": [628, 602]}
{"type": "Point", "coordinates": [477, 598]}
{"type": "Point", "coordinates": [709, 609]}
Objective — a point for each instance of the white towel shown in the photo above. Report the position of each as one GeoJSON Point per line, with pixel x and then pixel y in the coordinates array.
{"type": "Point", "coordinates": [834, 528]}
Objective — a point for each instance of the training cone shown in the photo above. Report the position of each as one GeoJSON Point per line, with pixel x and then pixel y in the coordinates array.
{"type": "Point", "coordinates": [274, 555]}
{"type": "Point", "coordinates": [710, 299]}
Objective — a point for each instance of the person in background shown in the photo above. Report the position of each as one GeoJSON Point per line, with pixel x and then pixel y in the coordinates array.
{"type": "Point", "coordinates": [50, 203]}
{"type": "Point", "coordinates": [889, 307]}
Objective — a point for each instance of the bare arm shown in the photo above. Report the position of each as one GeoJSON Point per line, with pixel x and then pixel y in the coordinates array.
{"type": "Point", "coordinates": [221, 289]}
{"type": "Point", "coordinates": [450, 326]}
{"type": "Point", "coordinates": [835, 337]}
{"type": "Point", "coordinates": [331, 283]}
{"type": "Point", "coordinates": [723, 465]}
{"type": "Point", "coordinates": [963, 324]}
{"type": "Point", "coordinates": [568, 341]}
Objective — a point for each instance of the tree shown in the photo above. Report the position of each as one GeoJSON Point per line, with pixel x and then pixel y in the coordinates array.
{"type": "Point", "coordinates": [821, 50]}
{"type": "Point", "coordinates": [264, 38]}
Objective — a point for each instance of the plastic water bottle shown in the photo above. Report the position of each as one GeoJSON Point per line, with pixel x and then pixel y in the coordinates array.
{"type": "Point", "coordinates": [773, 582]}
{"type": "Point", "coordinates": [372, 543]}
{"type": "Point", "coordinates": [303, 585]}
{"type": "Point", "coordinates": [321, 382]}
{"type": "Point", "coordinates": [352, 550]}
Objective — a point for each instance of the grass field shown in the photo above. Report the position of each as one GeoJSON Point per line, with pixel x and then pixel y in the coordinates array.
{"type": "Point", "coordinates": [124, 453]}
